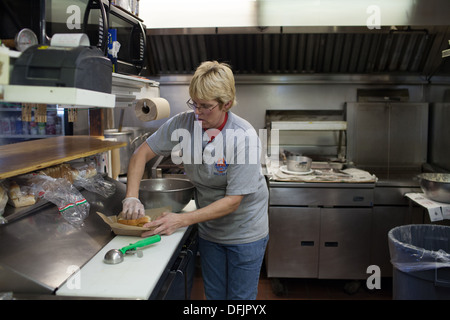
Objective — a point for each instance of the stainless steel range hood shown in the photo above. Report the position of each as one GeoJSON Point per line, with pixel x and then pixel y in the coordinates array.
{"type": "Point", "coordinates": [308, 37]}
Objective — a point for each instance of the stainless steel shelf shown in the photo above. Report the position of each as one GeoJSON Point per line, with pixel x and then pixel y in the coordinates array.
{"type": "Point", "coordinates": [309, 125]}
{"type": "Point", "coordinates": [63, 96]}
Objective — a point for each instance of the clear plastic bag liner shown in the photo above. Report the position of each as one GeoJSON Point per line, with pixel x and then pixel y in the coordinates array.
{"type": "Point", "coordinates": [97, 184]}
{"type": "Point", "coordinates": [70, 202]}
{"type": "Point", "coordinates": [419, 247]}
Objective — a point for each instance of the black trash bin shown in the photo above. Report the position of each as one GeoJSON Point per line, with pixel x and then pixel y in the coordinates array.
{"type": "Point", "coordinates": [419, 255]}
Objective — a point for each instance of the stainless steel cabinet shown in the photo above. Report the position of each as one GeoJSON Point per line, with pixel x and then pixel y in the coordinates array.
{"type": "Point", "coordinates": [327, 243]}
{"type": "Point", "coordinates": [344, 243]}
{"type": "Point", "coordinates": [391, 134]}
{"type": "Point", "coordinates": [293, 249]}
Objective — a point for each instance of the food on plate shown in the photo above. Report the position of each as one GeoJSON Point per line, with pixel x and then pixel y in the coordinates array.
{"type": "Point", "coordinates": [135, 222]}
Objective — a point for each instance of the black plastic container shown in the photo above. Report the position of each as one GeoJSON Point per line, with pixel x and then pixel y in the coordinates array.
{"type": "Point", "coordinates": [421, 262]}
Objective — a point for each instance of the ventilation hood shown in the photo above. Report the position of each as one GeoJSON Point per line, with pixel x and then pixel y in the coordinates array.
{"type": "Point", "coordinates": [404, 37]}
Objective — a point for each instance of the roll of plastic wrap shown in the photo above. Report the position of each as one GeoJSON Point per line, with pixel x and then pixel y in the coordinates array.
{"type": "Point", "coordinates": [152, 109]}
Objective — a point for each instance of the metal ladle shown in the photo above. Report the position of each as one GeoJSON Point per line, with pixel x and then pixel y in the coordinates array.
{"type": "Point", "coordinates": [115, 256]}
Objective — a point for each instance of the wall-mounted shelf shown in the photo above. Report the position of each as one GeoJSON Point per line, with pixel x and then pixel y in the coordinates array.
{"type": "Point", "coordinates": [26, 136]}
{"type": "Point", "coordinates": [125, 89]}
{"type": "Point", "coordinates": [121, 80]}
{"type": "Point", "coordinates": [24, 157]}
{"type": "Point", "coordinates": [310, 125]}
{"type": "Point", "coordinates": [129, 88]}
{"type": "Point", "coordinates": [62, 96]}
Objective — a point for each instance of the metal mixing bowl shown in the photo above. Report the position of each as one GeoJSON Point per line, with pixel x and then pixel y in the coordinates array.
{"type": "Point", "coordinates": [436, 186]}
{"type": "Point", "coordinates": [157, 193]}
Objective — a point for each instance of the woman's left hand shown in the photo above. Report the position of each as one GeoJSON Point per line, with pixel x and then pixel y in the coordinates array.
{"type": "Point", "coordinates": [167, 223]}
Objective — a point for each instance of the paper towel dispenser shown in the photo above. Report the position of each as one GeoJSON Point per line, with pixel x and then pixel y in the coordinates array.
{"type": "Point", "coordinates": [83, 67]}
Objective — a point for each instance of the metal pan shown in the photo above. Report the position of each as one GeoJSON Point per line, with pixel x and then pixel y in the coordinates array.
{"type": "Point", "coordinates": [298, 163]}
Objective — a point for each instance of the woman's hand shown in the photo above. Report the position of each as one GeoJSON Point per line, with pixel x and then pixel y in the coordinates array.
{"type": "Point", "coordinates": [167, 223]}
{"type": "Point", "coordinates": [132, 208]}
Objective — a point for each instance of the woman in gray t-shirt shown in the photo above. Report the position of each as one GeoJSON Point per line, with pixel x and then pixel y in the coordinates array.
{"type": "Point", "coordinates": [221, 157]}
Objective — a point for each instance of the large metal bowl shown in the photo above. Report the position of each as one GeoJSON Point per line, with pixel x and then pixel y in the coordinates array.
{"type": "Point", "coordinates": [436, 186]}
{"type": "Point", "coordinates": [157, 193]}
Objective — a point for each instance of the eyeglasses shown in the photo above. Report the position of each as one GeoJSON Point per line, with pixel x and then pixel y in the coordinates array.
{"type": "Point", "coordinates": [203, 107]}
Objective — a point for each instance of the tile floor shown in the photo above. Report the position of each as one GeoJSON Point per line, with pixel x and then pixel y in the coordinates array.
{"type": "Point", "coordinates": [308, 289]}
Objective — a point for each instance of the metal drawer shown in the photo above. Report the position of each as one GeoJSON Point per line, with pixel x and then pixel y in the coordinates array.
{"type": "Point", "coordinates": [393, 195]}
{"type": "Point", "coordinates": [316, 197]}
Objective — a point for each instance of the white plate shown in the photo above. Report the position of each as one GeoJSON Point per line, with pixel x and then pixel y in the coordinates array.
{"type": "Point", "coordinates": [285, 170]}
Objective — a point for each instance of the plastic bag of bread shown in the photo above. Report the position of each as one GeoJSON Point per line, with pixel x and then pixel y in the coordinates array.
{"type": "Point", "coordinates": [70, 172]}
{"type": "Point", "coordinates": [96, 184]}
{"type": "Point", "coordinates": [3, 201]}
{"type": "Point", "coordinates": [81, 175]}
{"type": "Point", "coordinates": [63, 170]}
{"type": "Point", "coordinates": [83, 171]}
{"type": "Point", "coordinates": [20, 193]}
{"type": "Point", "coordinates": [70, 202]}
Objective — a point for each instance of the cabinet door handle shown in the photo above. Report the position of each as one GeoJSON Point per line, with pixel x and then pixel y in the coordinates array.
{"type": "Point", "coordinates": [331, 244]}
{"type": "Point", "coordinates": [307, 243]}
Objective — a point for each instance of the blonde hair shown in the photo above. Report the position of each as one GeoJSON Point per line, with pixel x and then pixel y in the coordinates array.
{"type": "Point", "coordinates": [213, 81]}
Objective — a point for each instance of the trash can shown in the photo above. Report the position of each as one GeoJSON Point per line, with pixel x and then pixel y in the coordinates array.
{"type": "Point", "coordinates": [421, 262]}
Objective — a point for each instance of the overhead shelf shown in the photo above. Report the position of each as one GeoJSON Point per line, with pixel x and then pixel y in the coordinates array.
{"type": "Point", "coordinates": [63, 96]}
{"type": "Point", "coordinates": [125, 89]}
{"type": "Point", "coordinates": [309, 125]}
{"type": "Point", "coordinates": [121, 80]}
{"type": "Point", "coordinates": [129, 88]}
{"type": "Point", "coordinates": [24, 157]}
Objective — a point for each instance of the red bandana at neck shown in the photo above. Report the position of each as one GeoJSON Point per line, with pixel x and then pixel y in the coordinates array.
{"type": "Point", "coordinates": [212, 133]}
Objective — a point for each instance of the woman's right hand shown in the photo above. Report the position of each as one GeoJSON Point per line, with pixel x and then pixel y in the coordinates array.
{"type": "Point", "coordinates": [132, 208]}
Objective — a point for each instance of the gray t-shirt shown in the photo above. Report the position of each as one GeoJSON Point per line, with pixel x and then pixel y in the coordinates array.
{"type": "Point", "coordinates": [228, 165]}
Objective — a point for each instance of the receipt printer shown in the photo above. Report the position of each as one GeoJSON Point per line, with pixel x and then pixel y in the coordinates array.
{"type": "Point", "coordinates": [83, 67]}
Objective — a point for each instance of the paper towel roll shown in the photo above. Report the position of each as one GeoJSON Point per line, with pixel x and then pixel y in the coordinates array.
{"type": "Point", "coordinates": [152, 109]}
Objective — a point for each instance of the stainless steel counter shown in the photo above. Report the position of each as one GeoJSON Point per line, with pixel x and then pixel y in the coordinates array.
{"type": "Point", "coordinates": [40, 251]}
